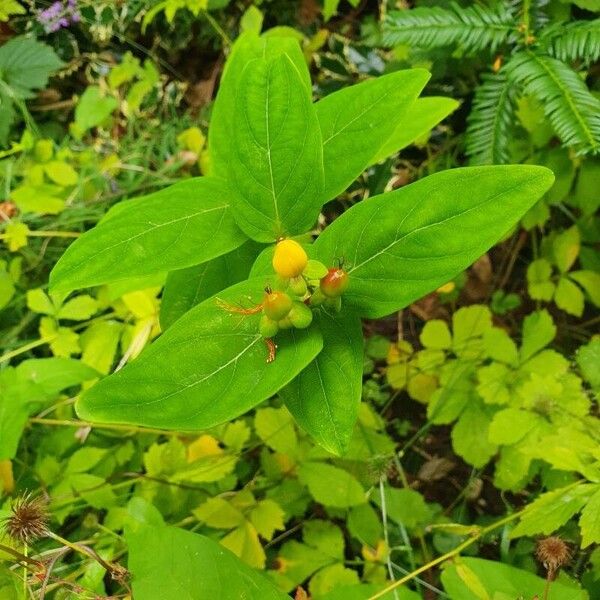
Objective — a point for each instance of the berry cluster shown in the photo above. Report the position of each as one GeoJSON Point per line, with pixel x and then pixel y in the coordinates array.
{"type": "Point", "coordinates": [300, 285]}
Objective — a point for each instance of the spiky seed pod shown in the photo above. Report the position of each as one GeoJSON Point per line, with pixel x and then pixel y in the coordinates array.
{"type": "Point", "coordinates": [553, 553]}
{"type": "Point", "coordinates": [28, 520]}
{"type": "Point", "coordinates": [289, 259]}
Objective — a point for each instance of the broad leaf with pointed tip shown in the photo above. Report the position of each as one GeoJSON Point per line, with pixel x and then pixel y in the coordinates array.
{"type": "Point", "coordinates": [209, 367]}
{"type": "Point", "coordinates": [356, 120]}
{"type": "Point", "coordinates": [183, 225]}
{"type": "Point", "coordinates": [420, 118]}
{"type": "Point", "coordinates": [324, 398]}
{"type": "Point", "coordinates": [402, 245]}
{"type": "Point", "coordinates": [276, 165]}
{"type": "Point", "coordinates": [170, 563]}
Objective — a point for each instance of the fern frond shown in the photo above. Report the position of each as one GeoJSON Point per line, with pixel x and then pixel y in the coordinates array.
{"type": "Point", "coordinates": [531, 14]}
{"type": "Point", "coordinates": [573, 41]}
{"type": "Point", "coordinates": [491, 120]}
{"type": "Point", "coordinates": [572, 110]}
{"type": "Point", "coordinates": [475, 27]}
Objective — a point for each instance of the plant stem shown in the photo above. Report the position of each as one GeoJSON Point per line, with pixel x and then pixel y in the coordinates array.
{"type": "Point", "coordinates": [115, 426]}
{"type": "Point", "coordinates": [448, 555]}
{"type": "Point", "coordinates": [24, 348]}
{"type": "Point", "coordinates": [48, 233]}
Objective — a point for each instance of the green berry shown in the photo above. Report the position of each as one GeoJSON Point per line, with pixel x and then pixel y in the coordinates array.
{"type": "Point", "coordinates": [276, 305]}
{"type": "Point", "coordinates": [301, 316]}
{"type": "Point", "coordinates": [267, 327]}
{"type": "Point", "coordinates": [298, 286]}
{"type": "Point", "coordinates": [334, 284]}
{"type": "Point", "coordinates": [285, 323]}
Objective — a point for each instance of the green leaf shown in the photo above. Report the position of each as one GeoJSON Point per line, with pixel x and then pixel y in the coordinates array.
{"type": "Point", "coordinates": [590, 282]}
{"type": "Point", "coordinates": [79, 308]}
{"type": "Point", "coordinates": [186, 288]}
{"type": "Point", "coordinates": [172, 386]}
{"type": "Point", "coordinates": [331, 486]}
{"type": "Point", "coordinates": [166, 560]}
{"type": "Point", "coordinates": [539, 285]}
{"type": "Point", "coordinates": [538, 331]}
{"type": "Point", "coordinates": [590, 521]}
{"type": "Point", "coordinates": [9, 581]}
{"type": "Point", "coordinates": [325, 396]}
{"type": "Point", "coordinates": [10, 7]}
{"type": "Point", "coordinates": [402, 245]}
{"type": "Point", "coordinates": [416, 122]}
{"type": "Point", "coordinates": [276, 163]}
{"type": "Point", "coordinates": [499, 346]}
{"type": "Point", "coordinates": [405, 506]}
{"type": "Point", "coordinates": [588, 359]}
{"type": "Point", "coordinates": [511, 425]}
{"type": "Point", "coordinates": [180, 226]}
{"type": "Point", "coordinates": [504, 582]}
{"type": "Point", "coordinates": [356, 120]}
{"type": "Point", "coordinates": [474, 28]}
{"type": "Point", "coordinates": [569, 297]}
{"type": "Point", "coordinates": [573, 111]}
{"type": "Point", "coordinates": [218, 513]}
{"type": "Point", "coordinates": [247, 47]}
{"type": "Point", "coordinates": [565, 247]}
{"type": "Point", "coordinates": [267, 517]}
{"type": "Point", "coordinates": [553, 509]}
{"type": "Point", "coordinates": [436, 335]}
{"type": "Point", "coordinates": [243, 542]}
{"type": "Point", "coordinates": [26, 65]}
{"type": "Point", "coordinates": [93, 109]}
{"type": "Point", "coordinates": [470, 435]}
{"type": "Point", "coordinates": [275, 427]}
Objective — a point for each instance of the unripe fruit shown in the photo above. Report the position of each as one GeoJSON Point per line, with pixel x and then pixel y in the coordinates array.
{"type": "Point", "coordinates": [334, 284]}
{"type": "Point", "coordinates": [317, 298]}
{"type": "Point", "coordinates": [289, 259]}
{"type": "Point", "coordinates": [267, 327]}
{"type": "Point", "coordinates": [276, 305]}
{"type": "Point", "coordinates": [298, 286]}
{"type": "Point", "coordinates": [301, 316]}
{"type": "Point", "coordinates": [285, 323]}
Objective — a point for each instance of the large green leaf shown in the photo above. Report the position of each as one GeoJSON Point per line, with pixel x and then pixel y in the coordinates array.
{"type": "Point", "coordinates": [324, 398]}
{"type": "Point", "coordinates": [183, 225]}
{"type": "Point", "coordinates": [187, 287]}
{"type": "Point", "coordinates": [210, 366]}
{"type": "Point", "coordinates": [247, 47]}
{"type": "Point", "coordinates": [172, 564]}
{"type": "Point", "coordinates": [470, 578]}
{"type": "Point", "coordinates": [355, 121]}
{"type": "Point", "coordinates": [420, 118]}
{"type": "Point", "coordinates": [405, 244]}
{"type": "Point", "coordinates": [276, 164]}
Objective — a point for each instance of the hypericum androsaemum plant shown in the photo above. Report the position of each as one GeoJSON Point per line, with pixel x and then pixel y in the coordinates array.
{"type": "Point", "coordinates": [276, 159]}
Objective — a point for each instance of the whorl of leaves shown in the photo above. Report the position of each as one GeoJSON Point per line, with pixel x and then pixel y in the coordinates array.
{"type": "Point", "coordinates": [474, 28]}
{"type": "Point", "coordinates": [491, 119]}
{"type": "Point", "coordinates": [572, 110]}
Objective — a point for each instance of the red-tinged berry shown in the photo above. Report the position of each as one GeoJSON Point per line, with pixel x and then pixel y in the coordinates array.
{"type": "Point", "coordinates": [334, 284]}
{"type": "Point", "coordinates": [276, 305]}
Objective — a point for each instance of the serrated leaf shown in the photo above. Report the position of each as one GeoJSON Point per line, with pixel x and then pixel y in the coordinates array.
{"type": "Point", "coordinates": [565, 248]}
{"type": "Point", "coordinates": [436, 335]}
{"type": "Point", "coordinates": [267, 517]}
{"type": "Point", "coordinates": [172, 387]}
{"type": "Point", "coordinates": [499, 346]}
{"type": "Point", "coordinates": [324, 397]}
{"type": "Point", "coordinates": [552, 510]}
{"type": "Point", "coordinates": [331, 486]}
{"type": "Point", "coordinates": [590, 521]}
{"type": "Point", "coordinates": [538, 331]}
{"type": "Point", "coordinates": [275, 427]}
{"type": "Point", "coordinates": [590, 282]}
{"type": "Point", "coordinates": [180, 226]}
{"type": "Point", "coordinates": [426, 233]}
{"type": "Point", "coordinates": [470, 435]}
{"type": "Point", "coordinates": [218, 513]}
{"type": "Point", "coordinates": [539, 285]}
{"type": "Point", "coordinates": [356, 120]}
{"type": "Point", "coordinates": [510, 425]}
{"type": "Point", "coordinates": [569, 297]}
{"type": "Point", "coordinates": [243, 542]}
{"type": "Point", "coordinates": [26, 65]}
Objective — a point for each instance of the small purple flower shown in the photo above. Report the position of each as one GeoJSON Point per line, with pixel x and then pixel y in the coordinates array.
{"type": "Point", "coordinates": [59, 15]}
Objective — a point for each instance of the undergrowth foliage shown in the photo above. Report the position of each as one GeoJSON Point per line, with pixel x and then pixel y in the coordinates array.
{"type": "Point", "coordinates": [532, 60]}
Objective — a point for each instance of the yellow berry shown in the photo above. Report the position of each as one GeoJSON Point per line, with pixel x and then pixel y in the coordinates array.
{"type": "Point", "coordinates": [289, 259]}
